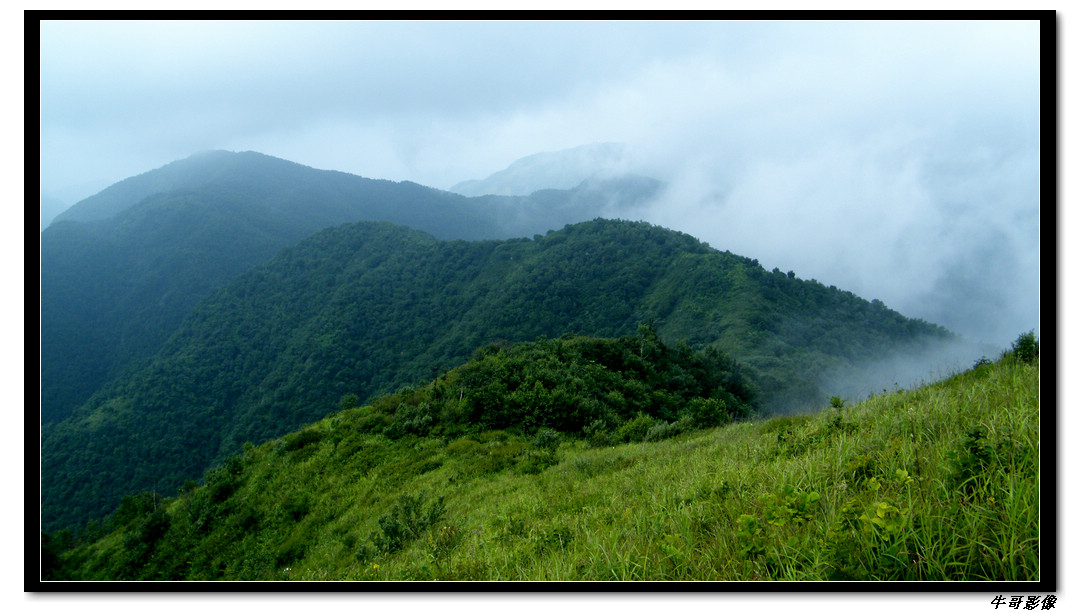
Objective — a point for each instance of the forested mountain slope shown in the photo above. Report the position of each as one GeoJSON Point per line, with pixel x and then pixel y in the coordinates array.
{"type": "Point", "coordinates": [364, 308]}
{"type": "Point", "coordinates": [121, 269]}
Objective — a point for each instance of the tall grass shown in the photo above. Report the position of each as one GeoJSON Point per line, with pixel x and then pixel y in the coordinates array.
{"type": "Point", "coordinates": [938, 483]}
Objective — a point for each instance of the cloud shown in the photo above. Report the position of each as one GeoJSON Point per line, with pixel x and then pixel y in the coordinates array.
{"type": "Point", "coordinates": [894, 159]}
{"type": "Point", "coordinates": [901, 171]}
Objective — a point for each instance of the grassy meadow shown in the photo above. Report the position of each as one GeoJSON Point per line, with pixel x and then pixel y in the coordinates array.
{"type": "Point", "coordinates": [936, 483]}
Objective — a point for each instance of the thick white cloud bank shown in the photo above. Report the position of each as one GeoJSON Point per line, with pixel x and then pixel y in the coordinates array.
{"type": "Point", "coordinates": [898, 160]}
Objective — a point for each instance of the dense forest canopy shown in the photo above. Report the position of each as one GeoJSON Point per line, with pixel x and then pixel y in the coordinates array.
{"type": "Point", "coordinates": [121, 269]}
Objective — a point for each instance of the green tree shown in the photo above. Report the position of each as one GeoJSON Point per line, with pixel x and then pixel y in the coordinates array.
{"type": "Point", "coordinates": [1026, 347]}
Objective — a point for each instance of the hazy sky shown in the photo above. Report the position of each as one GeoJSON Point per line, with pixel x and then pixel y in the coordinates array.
{"type": "Point", "coordinates": [898, 160]}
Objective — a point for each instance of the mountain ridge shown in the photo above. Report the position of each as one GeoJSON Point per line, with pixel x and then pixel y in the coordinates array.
{"type": "Point", "coordinates": [562, 169]}
{"type": "Point", "coordinates": [120, 269]}
{"type": "Point", "coordinates": [364, 307]}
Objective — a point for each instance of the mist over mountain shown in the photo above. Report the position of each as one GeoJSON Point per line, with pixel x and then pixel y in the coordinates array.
{"type": "Point", "coordinates": [682, 244]}
{"type": "Point", "coordinates": [122, 268]}
{"type": "Point", "coordinates": [363, 308]}
{"type": "Point", "coordinates": [552, 170]}
{"type": "Point", "coordinates": [50, 208]}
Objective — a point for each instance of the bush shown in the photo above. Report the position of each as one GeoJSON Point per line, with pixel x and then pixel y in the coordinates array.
{"type": "Point", "coordinates": [405, 521]}
{"type": "Point", "coordinates": [536, 460]}
{"type": "Point", "coordinates": [709, 412]}
{"type": "Point", "coordinates": [497, 456]}
{"type": "Point", "coordinates": [462, 446]}
{"type": "Point", "coordinates": [635, 429]}
{"type": "Point", "coordinates": [546, 439]}
{"type": "Point", "coordinates": [663, 431]}
{"type": "Point", "coordinates": [597, 434]}
{"type": "Point", "coordinates": [300, 439]}
{"type": "Point", "coordinates": [415, 420]}
{"type": "Point", "coordinates": [1026, 348]}
{"type": "Point", "coordinates": [133, 507]}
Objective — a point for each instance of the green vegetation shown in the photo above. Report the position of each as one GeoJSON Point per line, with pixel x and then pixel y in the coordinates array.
{"type": "Point", "coordinates": [938, 483]}
{"type": "Point", "coordinates": [121, 269]}
{"type": "Point", "coordinates": [368, 307]}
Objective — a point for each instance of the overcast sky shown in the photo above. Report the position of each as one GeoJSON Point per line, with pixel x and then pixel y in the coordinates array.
{"type": "Point", "coordinates": [898, 160]}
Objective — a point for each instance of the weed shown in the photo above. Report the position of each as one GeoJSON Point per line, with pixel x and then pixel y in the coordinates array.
{"type": "Point", "coordinates": [595, 465]}
{"type": "Point", "coordinates": [792, 505]}
{"type": "Point", "coordinates": [409, 516]}
{"type": "Point", "coordinates": [750, 535]}
{"type": "Point", "coordinates": [442, 543]}
{"type": "Point", "coordinates": [556, 539]}
{"type": "Point", "coordinates": [973, 455]}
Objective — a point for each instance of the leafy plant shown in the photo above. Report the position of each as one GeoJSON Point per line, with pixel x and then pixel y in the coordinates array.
{"type": "Point", "coordinates": [888, 520]}
{"type": "Point", "coordinates": [792, 505]}
{"type": "Point", "coordinates": [750, 535]}
{"type": "Point", "coordinates": [973, 455]}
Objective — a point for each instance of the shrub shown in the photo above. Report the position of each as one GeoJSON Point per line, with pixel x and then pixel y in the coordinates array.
{"type": "Point", "coordinates": [597, 434]}
{"type": "Point", "coordinates": [497, 456]}
{"type": "Point", "coordinates": [546, 439]}
{"type": "Point", "coordinates": [443, 542]}
{"type": "Point", "coordinates": [462, 446]}
{"type": "Point", "coordinates": [409, 516]}
{"type": "Point", "coordinates": [973, 455]}
{"type": "Point", "coordinates": [536, 461]}
{"type": "Point", "coordinates": [295, 506]}
{"type": "Point", "coordinates": [373, 423]}
{"type": "Point", "coordinates": [663, 431]}
{"type": "Point", "coordinates": [709, 412]}
{"type": "Point", "coordinates": [132, 507]}
{"type": "Point", "coordinates": [635, 429]}
{"type": "Point", "coordinates": [1026, 348]}
{"type": "Point", "coordinates": [416, 420]}
{"type": "Point", "coordinates": [300, 439]}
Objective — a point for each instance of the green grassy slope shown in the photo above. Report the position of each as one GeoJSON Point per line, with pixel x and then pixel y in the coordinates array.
{"type": "Point", "coordinates": [938, 483]}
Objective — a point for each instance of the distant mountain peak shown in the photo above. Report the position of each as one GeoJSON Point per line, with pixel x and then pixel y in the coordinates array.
{"type": "Point", "coordinates": [563, 169]}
